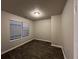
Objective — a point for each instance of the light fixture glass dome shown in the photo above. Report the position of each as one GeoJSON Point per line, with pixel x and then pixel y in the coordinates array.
{"type": "Point", "coordinates": [36, 13]}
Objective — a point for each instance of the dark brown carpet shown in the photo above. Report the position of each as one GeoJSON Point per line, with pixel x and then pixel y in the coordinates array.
{"type": "Point", "coordinates": [35, 50]}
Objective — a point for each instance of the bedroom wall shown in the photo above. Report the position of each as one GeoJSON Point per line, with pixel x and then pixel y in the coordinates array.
{"type": "Point", "coordinates": [42, 29]}
{"type": "Point", "coordinates": [75, 29]}
{"type": "Point", "coordinates": [68, 29]}
{"type": "Point", "coordinates": [49, 30]}
{"type": "Point", "coordinates": [6, 43]}
{"type": "Point", "coordinates": [56, 30]}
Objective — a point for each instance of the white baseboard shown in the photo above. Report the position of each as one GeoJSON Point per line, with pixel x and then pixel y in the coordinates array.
{"type": "Point", "coordinates": [44, 40]}
{"type": "Point", "coordinates": [56, 45]}
{"type": "Point", "coordinates": [61, 48]}
{"type": "Point", "coordinates": [15, 47]}
{"type": "Point", "coordinates": [63, 53]}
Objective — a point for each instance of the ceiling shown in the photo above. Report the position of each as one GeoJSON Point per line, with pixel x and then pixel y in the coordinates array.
{"type": "Point", "coordinates": [23, 8]}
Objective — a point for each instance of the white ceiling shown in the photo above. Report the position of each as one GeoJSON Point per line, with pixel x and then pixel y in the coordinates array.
{"type": "Point", "coordinates": [24, 8]}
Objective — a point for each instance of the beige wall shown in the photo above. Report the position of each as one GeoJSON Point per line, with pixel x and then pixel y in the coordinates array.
{"type": "Point", "coordinates": [5, 27]}
{"type": "Point", "coordinates": [42, 29]}
{"type": "Point", "coordinates": [68, 29]}
{"type": "Point", "coordinates": [75, 29]}
{"type": "Point", "coordinates": [49, 29]}
{"type": "Point", "coordinates": [56, 30]}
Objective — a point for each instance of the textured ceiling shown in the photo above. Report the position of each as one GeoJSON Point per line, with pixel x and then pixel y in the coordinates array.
{"type": "Point", "coordinates": [24, 7]}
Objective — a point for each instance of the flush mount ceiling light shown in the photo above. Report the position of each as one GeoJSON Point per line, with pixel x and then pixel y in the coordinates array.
{"type": "Point", "coordinates": [36, 13]}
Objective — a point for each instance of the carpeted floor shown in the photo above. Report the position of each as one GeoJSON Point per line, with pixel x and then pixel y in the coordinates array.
{"type": "Point", "coordinates": [35, 49]}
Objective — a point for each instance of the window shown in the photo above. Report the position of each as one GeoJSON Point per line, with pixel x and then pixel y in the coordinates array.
{"type": "Point", "coordinates": [15, 29]}
{"type": "Point", "coordinates": [25, 30]}
{"type": "Point", "coordinates": [18, 30]}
